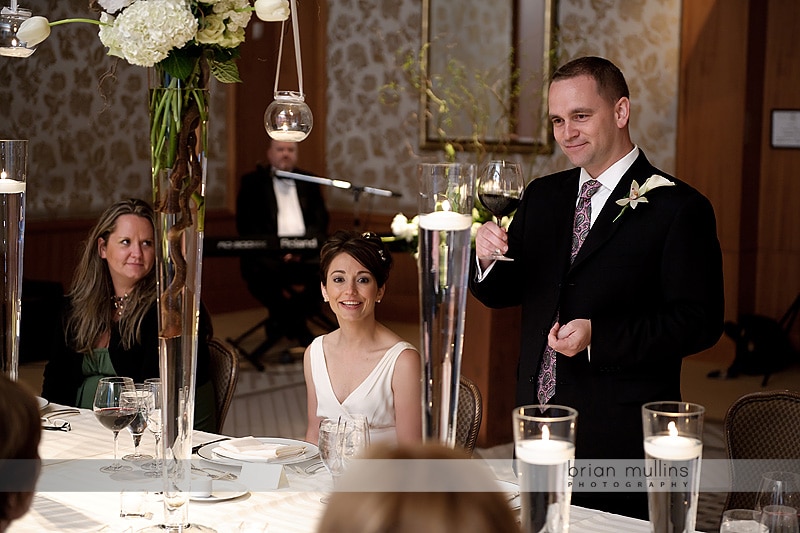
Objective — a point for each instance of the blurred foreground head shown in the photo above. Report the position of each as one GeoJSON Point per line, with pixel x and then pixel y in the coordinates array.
{"type": "Point", "coordinates": [364, 502]}
{"type": "Point", "coordinates": [20, 433]}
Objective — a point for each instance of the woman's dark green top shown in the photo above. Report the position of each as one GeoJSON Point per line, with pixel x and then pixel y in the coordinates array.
{"type": "Point", "coordinates": [69, 376]}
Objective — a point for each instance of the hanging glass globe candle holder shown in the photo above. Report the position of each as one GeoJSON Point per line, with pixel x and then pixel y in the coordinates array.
{"type": "Point", "coordinates": [288, 118]}
{"type": "Point", "coordinates": [10, 21]}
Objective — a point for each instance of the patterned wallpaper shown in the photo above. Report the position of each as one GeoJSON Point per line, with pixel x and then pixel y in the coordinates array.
{"type": "Point", "coordinates": [375, 143]}
{"type": "Point", "coordinates": [85, 117]}
{"type": "Point", "coordinates": [88, 144]}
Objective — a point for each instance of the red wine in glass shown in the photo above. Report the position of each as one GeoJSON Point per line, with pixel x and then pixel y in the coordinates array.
{"type": "Point", "coordinates": [500, 191]}
{"type": "Point", "coordinates": [115, 418]}
{"type": "Point", "coordinates": [499, 205]}
{"type": "Point", "coordinates": [113, 410]}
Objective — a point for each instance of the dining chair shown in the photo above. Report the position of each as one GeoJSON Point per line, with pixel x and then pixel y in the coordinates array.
{"type": "Point", "coordinates": [224, 375]}
{"type": "Point", "coordinates": [468, 414]}
{"type": "Point", "coordinates": [759, 425]}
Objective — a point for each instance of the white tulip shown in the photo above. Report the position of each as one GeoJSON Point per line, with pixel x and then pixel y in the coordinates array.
{"type": "Point", "coordinates": [272, 10]}
{"type": "Point", "coordinates": [33, 31]}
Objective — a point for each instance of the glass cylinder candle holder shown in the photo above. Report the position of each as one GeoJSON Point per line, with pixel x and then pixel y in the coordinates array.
{"type": "Point", "coordinates": [13, 170]}
{"type": "Point", "coordinates": [673, 446]}
{"type": "Point", "coordinates": [288, 118]}
{"type": "Point", "coordinates": [445, 218]}
{"type": "Point", "coordinates": [544, 444]}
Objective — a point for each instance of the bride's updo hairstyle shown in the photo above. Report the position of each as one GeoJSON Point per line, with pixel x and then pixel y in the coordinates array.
{"type": "Point", "coordinates": [366, 248]}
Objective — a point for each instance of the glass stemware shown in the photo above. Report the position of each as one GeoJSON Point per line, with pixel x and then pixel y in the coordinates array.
{"type": "Point", "coordinates": [153, 468]}
{"type": "Point", "coordinates": [778, 488]}
{"type": "Point", "coordinates": [140, 421]}
{"type": "Point", "coordinates": [779, 519]}
{"type": "Point", "coordinates": [340, 441]}
{"type": "Point", "coordinates": [115, 411]}
{"type": "Point", "coordinates": [500, 188]}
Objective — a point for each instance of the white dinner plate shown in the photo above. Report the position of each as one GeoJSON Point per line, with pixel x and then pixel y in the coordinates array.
{"type": "Point", "coordinates": [42, 402]}
{"type": "Point", "coordinates": [222, 491]}
{"type": "Point", "coordinates": [207, 452]}
{"type": "Point", "coordinates": [511, 491]}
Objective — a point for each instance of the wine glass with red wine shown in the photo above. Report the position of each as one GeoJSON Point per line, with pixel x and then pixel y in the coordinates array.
{"type": "Point", "coordinates": [115, 410]}
{"type": "Point", "coordinates": [500, 191]}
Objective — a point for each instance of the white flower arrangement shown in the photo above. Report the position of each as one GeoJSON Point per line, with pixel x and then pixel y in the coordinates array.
{"type": "Point", "coordinates": [408, 230]}
{"type": "Point", "coordinates": [636, 196]}
{"type": "Point", "coordinates": [172, 35]}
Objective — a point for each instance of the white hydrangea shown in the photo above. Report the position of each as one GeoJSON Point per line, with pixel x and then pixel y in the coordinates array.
{"type": "Point", "coordinates": [112, 6]}
{"type": "Point", "coordinates": [147, 30]}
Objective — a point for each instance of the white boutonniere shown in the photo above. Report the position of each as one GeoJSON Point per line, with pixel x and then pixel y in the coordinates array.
{"type": "Point", "coordinates": [637, 193]}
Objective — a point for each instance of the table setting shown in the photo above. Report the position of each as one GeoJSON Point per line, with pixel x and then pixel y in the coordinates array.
{"type": "Point", "coordinates": [74, 495]}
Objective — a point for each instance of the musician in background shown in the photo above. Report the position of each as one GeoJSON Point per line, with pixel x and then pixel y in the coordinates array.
{"type": "Point", "coordinates": [270, 207]}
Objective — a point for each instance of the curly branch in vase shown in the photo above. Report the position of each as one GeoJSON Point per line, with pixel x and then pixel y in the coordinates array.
{"type": "Point", "coordinates": [182, 185]}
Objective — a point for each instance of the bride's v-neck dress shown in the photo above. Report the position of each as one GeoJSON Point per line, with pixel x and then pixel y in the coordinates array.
{"type": "Point", "coordinates": [372, 398]}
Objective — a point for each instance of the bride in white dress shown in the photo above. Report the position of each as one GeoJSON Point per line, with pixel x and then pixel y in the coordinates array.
{"type": "Point", "coordinates": [363, 367]}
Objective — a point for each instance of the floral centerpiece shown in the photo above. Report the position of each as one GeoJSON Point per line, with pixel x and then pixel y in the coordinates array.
{"type": "Point", "coordinates": [184, 43]}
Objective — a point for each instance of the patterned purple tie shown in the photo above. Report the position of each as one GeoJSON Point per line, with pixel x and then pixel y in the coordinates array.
{"type": "Point", "coordinates": [580, 228]}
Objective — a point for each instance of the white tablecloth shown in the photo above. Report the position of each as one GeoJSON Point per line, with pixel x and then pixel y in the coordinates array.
{"type": "Point", "coordinates": [73, 459]}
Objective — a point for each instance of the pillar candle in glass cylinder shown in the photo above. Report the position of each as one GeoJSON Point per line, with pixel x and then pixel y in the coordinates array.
{"type": "Point", "coordinates": [13, 172]}
{"type": "Point", "coordinates": [544, 444]}
{"type": "Point", "coordinates": [673, 448]}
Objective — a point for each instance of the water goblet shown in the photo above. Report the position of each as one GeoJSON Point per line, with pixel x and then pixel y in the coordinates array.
{"type": "Point", "coordinates": [153, 468]}
{"type": "Point", "coordinates": [139, 424]}
{"type": "Point", "coordinates": [339, 442]}
{"type": "Point", "coordinates": [778, 488]}
{"type": "Point", "coordinates": [500, 190]}
{"type": "Point", "coordinates": [779, 519]}
{"type": "Point", "coordinates": [741, 521]}
{"type": "Point", "coordinates": [114, 412]}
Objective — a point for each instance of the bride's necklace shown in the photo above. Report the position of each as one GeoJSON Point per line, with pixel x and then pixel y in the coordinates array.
{"type": "Point", "coordinates": [119, 303]}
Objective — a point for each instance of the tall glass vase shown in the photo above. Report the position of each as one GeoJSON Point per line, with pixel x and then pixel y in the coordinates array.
{"type": "Point", "coordinates": [445, 219]}
{"type": "Point", "coordinates": [178, 139]}
{"type": "Point", "coordinates": [13, 170]}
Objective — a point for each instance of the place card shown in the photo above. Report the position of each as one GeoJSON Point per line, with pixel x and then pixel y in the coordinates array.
{"type": "Point", "coordinates": [261, 477]}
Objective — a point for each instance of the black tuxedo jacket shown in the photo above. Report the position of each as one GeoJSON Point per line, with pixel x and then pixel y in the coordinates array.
{"type": "Point", "coordinates": [257, 215]}
{"type": "Point", "coordinates": [650, 282]}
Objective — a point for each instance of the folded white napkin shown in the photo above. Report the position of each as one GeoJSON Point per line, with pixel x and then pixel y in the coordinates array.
{"type": "Point", "coordinates": [252, 449]}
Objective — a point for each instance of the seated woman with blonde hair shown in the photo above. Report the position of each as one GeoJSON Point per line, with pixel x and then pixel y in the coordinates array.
{"type": "Point", "coordinates": [362, 368]}
{"type": "Point", "coordinates": [434, 493]}
{"type": "Point", "coordinates": [110, 316]}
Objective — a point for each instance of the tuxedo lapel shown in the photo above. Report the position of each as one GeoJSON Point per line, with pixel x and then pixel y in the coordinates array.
{"type": "Point", "coordinates": [605, 226]}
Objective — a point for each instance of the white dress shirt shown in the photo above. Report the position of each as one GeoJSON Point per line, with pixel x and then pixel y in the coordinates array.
{"type": "Point", "coordinates": [290, 215]}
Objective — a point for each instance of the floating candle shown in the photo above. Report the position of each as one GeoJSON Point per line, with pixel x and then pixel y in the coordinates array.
{"type": "Point", "coordinates": [8, 186]}
{"type": "Point", "coordinates": [445, 221]}
{"type": "Point", "coordinates": [545, 451]}
{"type": "Point", "coordinates": [288, 135]}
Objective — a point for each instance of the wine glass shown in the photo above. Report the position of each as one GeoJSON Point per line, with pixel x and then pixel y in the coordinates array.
{"type": "Point", "coordinates": [779, 519]}
{"type": "Point", "coordinates": [500, 191]}
{"type": "Point", "coordinates": [143, 399]}
{"type": "Point", "coordinates": [778, 488]}
{"type": "Point", "coordinates": [340, 441]}
{"type": "Point", "coordinates": [153, 468]}
{"type": "Point", "coordinates": [740, 521]}
{"type": "Point", "coordinates": [115, 411]}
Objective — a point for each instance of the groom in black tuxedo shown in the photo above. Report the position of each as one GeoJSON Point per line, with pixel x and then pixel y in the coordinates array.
{"type": "Point", "coordinates": [620, 309]}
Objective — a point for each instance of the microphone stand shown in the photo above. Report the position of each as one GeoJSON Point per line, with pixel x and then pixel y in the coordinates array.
{"type": "Point", "coordinates": [358, 190]}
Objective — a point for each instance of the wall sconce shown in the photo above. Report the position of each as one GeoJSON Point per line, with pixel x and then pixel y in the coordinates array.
{"type": "Point", "coordinates": [288, 118]}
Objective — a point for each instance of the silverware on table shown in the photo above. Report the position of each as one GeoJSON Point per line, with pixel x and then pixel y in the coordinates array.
{"type": "Point", "coordinates": [215, 474]}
